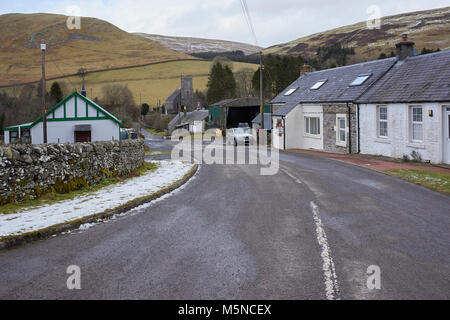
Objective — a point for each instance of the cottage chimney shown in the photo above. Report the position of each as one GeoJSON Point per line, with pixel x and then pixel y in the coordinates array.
{"type": "Point", "coordinates": [405, 48]}
{"type": "Point", "coordinates": [83, 90]}
{"type": "Point", "coordinates": [305, 68]}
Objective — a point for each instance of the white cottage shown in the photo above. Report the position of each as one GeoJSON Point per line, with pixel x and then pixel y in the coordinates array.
{"type": "Point", "coordinates": [75, 119]}
{"type": "Point", "coordinates": [407, 112]}
{"type": "Point", "coordinates": [318, 110]}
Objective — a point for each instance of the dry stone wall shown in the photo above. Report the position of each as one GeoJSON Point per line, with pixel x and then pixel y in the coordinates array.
{"type": "Point", "coordinates": [27, 171]}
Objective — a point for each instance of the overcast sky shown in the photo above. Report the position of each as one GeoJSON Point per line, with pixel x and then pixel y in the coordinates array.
{"type": "Point", "coordinates": [275, 21]}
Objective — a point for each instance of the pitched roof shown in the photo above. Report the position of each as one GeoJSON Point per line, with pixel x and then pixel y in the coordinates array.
{"type": "Point", "coordinates": [267, 120]}
{"type": "Point", "coordinates": [424, 78]}
{"type": "Point", "coordinates": [238, 102]}
{"type": "Point", "coordinates": [174, 95]}
{"type": "Point", "coordinates": [60, 104]}
{"type": "Point", "coordinates": [337, 87]}
{"type": "Point", "coordinates": [197, 115]}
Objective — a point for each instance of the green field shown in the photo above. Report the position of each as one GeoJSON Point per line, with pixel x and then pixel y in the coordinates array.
{"type": "Point", "coordinates": [150, 83]}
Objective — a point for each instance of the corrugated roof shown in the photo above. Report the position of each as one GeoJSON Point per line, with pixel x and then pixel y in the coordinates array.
{"type": "Point", "coordinates": [337, 87]}
{"type": "Point", "coordinates": [424, 78]}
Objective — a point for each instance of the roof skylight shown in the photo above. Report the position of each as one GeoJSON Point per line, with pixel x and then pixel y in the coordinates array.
{"type": "Point", "coordinates": [360, 80]}
{"type": "Point", "coordinates": [290, 91]}
{"type": "Point", "coordinates": [318, 84]}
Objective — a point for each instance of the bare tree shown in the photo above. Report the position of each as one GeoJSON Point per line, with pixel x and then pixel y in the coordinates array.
{"type": "Point", "coordinates": [244, 88]}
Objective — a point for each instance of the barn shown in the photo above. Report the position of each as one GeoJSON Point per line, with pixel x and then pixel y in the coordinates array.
{"type": "Point", "coordinates": [230, 113]}
{"type": "Point", "coordinates": [75, 119]}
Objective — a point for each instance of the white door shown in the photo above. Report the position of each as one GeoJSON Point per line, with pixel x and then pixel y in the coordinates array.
{"type": "Point", "coordinates": [447, 134]}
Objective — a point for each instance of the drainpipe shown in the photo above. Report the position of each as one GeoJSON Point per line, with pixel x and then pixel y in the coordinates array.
{"type": "Point", "coordinates": [359, 130]}
{"type": "Point", "coordinates": [284, 132]}
{"type": "Point", "coordinates": [349, 128]}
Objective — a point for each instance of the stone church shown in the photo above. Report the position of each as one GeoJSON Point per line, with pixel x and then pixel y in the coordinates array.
{"type": "Point", "coordinates": [181, 97]}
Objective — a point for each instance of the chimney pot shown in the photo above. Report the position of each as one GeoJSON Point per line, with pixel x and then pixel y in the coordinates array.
{"type": "Point", "coordinates": [405, 48]}
{"type": "Point", "coordinates": [306, 68]}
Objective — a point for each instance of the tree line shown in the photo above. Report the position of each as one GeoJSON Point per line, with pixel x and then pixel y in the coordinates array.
{"type": "Point", "coordinates": [23, 104]}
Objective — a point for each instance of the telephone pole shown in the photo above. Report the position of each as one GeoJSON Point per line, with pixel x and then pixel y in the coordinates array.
{"type": "Point", "coordinates": [261, 90]}
{"type": "Point", "coordinates": [44, 92]}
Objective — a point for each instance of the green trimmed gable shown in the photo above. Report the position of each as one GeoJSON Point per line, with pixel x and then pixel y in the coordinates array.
{"type": "Point", "coordinates": [99, 114]}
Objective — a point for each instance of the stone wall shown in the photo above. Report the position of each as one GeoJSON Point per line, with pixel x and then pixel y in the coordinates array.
{"type": "Point", "coordinates": [330, 125]}
{"type": "Point", "coordinates": [27, 171]}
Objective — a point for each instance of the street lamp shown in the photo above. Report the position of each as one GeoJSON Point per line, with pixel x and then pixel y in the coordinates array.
{"type": "Point", "coordinates": [44, 91]}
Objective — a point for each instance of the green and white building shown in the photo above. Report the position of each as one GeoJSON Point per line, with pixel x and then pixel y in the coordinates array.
{"type": "Point", "coordinates": [75, 119]}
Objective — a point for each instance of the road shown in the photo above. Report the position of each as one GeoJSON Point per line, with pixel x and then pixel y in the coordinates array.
{"type": "Point", "coordinates": [308, 232]}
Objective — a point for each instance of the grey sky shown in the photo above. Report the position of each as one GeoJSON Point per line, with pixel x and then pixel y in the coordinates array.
{"type": "Point", "coordinates": [275, 21]}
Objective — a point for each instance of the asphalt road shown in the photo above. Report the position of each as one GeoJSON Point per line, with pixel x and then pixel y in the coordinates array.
{"type": "Point", "coordinates": [308, 232]}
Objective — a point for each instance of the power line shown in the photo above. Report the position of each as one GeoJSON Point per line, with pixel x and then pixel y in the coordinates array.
{"type": "Point", "coordinates": [248, 19]}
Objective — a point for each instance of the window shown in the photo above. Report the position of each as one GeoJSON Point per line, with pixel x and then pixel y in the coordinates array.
{"type": "Point", "coordinates": [312, 125]}
{"type": "Point", "coordinates": [360, 80]}
{"type": "Point", "coordinates": [25, 136]}
{"type": "Point", "coordinates": [13, 136]}
{"type": "Point", "coordinates": [318, 84]}
{"type": "Point", "coordinates": [342, 129]}
{"type": "Point", "coordinates": [290, 91]}
{"type": "Point", "coordinates": [382, 122]}
{"type": "Point", "coordinates": [416, 123]}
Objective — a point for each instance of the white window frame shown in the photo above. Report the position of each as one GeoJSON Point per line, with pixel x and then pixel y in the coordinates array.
{"type": "Point", "coordinates": [290, 91]}
{"type": "Point", "coordinates": [318, 84]}
{"type": "Point", "coordinates": [339, 130]}
{"type": "Point", "coordinates": [379, 121]}
{"type": "Point", "coordinates": [412, 123]}
{"type": "Point", "coordinates": [360, 80]}
{"type": "Point", "coordinates": [308, 126]}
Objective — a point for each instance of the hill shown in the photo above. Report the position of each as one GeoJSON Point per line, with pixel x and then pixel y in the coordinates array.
{"type": "Point", "coordinates": [196, 45]}
{"type": "Point", "coordinates": [150, 84]}
{"type": "Point", "coordinates": [97, 45]}
{"type": "Point", "coordinates": [428, 29]}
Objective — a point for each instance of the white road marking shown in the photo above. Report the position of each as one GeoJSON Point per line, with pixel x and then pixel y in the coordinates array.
{"type": "Point", "coordinates": [329, 270]}
{"type": "Point", "coordinates": [292, 176]}
{"type": "Point", "coordinates": [331, 284]}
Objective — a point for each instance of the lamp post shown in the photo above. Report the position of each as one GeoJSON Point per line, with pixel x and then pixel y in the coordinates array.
{"type": "Point", "coordinates": [261, 90]}
{"type": "Point", "coordinates": [44, 91]}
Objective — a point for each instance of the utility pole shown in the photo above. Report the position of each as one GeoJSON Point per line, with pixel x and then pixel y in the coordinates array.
{"type": "Point", "coordinates": [261, 90]}
{"type": "Point", "coordinates": [44, 92]}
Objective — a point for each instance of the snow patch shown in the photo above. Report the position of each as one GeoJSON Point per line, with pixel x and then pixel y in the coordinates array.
{"type": "Point", "coordinates": [109, 197]}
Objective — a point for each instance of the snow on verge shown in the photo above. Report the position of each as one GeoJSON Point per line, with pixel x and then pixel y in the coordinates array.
{"type": "Point", "coordinates": [109, 197]}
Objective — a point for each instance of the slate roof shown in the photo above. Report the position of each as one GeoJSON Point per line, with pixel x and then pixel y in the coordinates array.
{"type": "Point", "coordinates": [191, 117]}
{"type": "Point", "coordinates": [336, 89]}
{"type": "Point", "coordinates": [267, 120]}
{"type": "Point", "coordinates": [239, 102]}
{"type": "Point", "coordinates": [198, 115]}
{"type": "Point", "coordinates": [424, 78]}
{"type": "Point", "coordinates": [174, 95]}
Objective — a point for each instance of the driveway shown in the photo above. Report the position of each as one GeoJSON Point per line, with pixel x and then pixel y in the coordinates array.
{"type": "Point", "coordinates": [309, 232]}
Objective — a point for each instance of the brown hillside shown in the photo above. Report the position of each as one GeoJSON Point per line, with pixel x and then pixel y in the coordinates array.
{"type": "Point", "coordinates": [429, 29]}
{"type": "Point", "coordinates": [97, 45]}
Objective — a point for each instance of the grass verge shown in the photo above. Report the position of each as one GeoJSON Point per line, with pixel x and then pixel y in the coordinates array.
{"type": "Point", "coordinates": [434, 180]}
{"type": "Point", "coordinates": [156, 133]}
{"type": "Point", "coordinates": [51, 198]}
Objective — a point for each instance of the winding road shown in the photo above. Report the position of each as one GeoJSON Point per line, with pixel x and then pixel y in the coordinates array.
{"type": "Point", "coordinates": [309, 232]}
